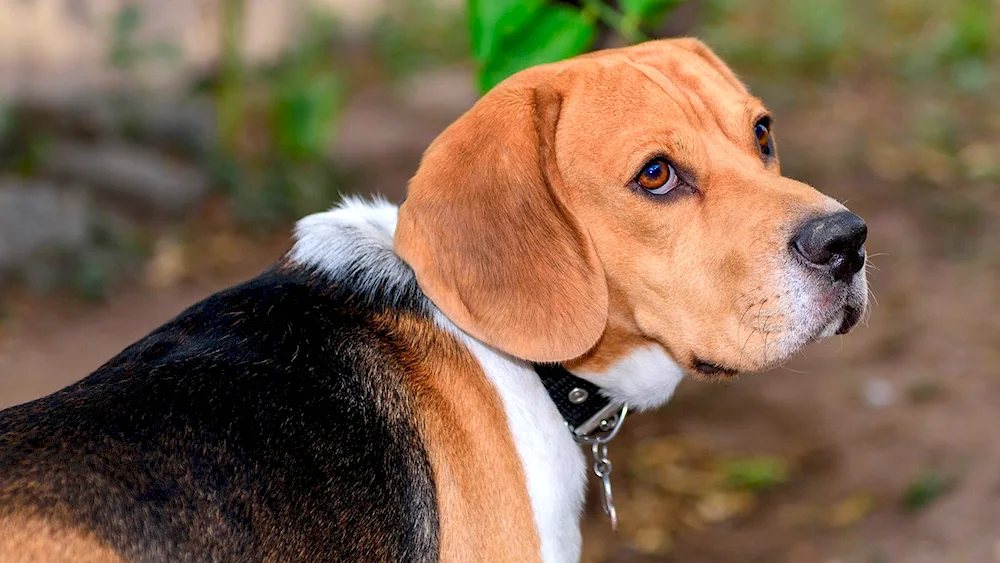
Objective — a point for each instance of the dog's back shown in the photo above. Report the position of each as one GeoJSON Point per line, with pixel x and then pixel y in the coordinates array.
{"type": "Point", "coordinates": [264, 423]}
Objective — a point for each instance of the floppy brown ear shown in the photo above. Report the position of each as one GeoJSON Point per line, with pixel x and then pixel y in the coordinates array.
{"type": "Point", "coordinates": [492, 241]}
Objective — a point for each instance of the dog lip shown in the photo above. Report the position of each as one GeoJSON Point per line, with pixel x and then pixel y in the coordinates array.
{"type": "Point", "coordinates": [851, 317]}
{"type": "Point", "coordinates": [708, 368]}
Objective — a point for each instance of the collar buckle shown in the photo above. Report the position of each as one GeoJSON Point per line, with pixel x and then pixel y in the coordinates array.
{"type": "Point", "coordinates": [604, 422]}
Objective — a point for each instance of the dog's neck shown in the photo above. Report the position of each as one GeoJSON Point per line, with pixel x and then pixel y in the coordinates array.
{"type": "Point", "coordinates": [554, 466]}
{"type": "Point", "coordinates": [627, 366]}
{"type": "Point", "coordinates": [355, 239]}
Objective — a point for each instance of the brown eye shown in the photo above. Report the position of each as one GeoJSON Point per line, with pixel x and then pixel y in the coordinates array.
{"type": "Point", "coordinates": [762, 130]}
{"type": "Point", "coordinates": [657, 177]}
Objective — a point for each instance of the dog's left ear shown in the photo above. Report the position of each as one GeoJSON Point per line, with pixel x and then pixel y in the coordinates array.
{"type": "Point", "coordinates": [490, 236]}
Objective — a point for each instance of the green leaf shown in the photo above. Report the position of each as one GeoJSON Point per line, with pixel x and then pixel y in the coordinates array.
{"type": "Point", "coordinates": [757, 473]}
{"type": "Point", "coordinates": [305, 109]}
{"type": "Point", "coordinates": [490, 20]}
{"type": "Point", "coordinates": [649, 12]}
{"type": "Point", "coordinates": [972, 31]}
{"type": "Point", "coordinates": [127, 20]}
{"type": "Point", "coordinates": [927, 487]}
{"type": "Point", "coordinates": [553, 33]}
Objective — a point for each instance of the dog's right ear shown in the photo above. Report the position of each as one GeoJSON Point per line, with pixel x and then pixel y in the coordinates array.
{"type": "Point", "coordinates": [493, 243]}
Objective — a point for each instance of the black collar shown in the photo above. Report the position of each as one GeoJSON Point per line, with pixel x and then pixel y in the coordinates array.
{"type": "Point", "coordinates": [579, 401]}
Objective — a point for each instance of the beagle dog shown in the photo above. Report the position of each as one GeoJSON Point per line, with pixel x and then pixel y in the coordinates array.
{"type": "Point", "coordinates": [410, 384]}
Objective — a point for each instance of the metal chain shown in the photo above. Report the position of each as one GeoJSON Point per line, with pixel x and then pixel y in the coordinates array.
{"type": "Point", "coordinates": [602, 465]}
{"type": "Point", "coordinates": [602, 468]}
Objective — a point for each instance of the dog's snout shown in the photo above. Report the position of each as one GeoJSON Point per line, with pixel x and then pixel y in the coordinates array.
{"type": "Point", "coordinates": [833, 243]}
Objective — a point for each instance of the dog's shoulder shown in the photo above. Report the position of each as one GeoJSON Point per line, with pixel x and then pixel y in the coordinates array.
{"type": "Point", "coordinates": [264, 417]}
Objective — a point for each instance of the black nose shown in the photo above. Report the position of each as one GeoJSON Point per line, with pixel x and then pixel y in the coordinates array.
{"type": "Point", "coordinates": [833, 243]}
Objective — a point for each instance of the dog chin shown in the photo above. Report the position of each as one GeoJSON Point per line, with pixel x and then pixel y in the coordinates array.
{"type": "Point", "coordinates": [841, 322]}
{"type": "Point", "coordinates": [845, 306]}
{"type": "Point", "coordinates": [833, 326]}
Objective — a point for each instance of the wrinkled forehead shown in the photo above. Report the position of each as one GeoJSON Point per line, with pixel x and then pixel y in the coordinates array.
{"type": "Point", "coordinates": [684, 59]}
{"type": "Point", "coordinates": [658, 95]}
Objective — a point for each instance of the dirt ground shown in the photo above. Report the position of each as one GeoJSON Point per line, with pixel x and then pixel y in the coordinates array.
{"type": "Point", "coordinates": [866, 414]}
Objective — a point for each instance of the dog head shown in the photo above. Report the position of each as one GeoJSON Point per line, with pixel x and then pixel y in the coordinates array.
{"type": "Point", "coordinates": [625, 199]}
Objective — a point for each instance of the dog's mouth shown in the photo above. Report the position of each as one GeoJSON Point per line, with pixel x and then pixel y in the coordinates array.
{"type": "Point", "coordinates": [852, 314]}
{"type": "Point", "coordinates": [840, 321]}
{"type": "Point", "coordinates": [838, 307]}
{"type": "Point", "coordinates": [776, 326]}
{"type": "Point", "coordinates": [712, 371]}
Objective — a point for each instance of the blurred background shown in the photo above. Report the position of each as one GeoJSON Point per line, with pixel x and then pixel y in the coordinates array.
{"type": "Point", "coordinates": [152, 152]}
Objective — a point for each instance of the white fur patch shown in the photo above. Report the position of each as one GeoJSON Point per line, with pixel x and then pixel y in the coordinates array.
{"type": "Point", "coordinates": [353, 241]}
{"type": "Point", "coordinates": [646, 378]}
{"type": "Point", "coordinates": [354, 229]}
{"type": "Point", "coordinates": [554, 465]}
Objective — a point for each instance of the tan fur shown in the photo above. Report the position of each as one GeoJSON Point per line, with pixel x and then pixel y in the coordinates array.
{"type": "Point", "coordinates": [483, 504]}
{"type": "Point", "coordinates": [29, 539]}
{"type": "Point", "coordinates": [521, 217]}
{"type": "Point", "coordinates": [620, 337]}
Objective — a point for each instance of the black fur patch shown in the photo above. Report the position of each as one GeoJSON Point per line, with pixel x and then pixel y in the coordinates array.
{"type": "Point", "coordinates": [267, 422]}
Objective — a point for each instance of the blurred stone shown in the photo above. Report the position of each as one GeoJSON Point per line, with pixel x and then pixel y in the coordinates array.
{"type": "Point", "coordinates": [719, 506]}
{"type": "Point", "coordinates": [850, 510]}
{"type": "Point", "coordinates": [188, 127]}
{"type": "Point", "coordinates": [127, 171]}
{"type": "Point", "coordinates": [37, 217]}
{"type": "Point", "coordinates": [70, 113]}
{"type": "Point", "coordinates": [185, 125]}
{"type": "Point", "coordinates": [168, 265]}
{"type": "Point", "coordinates": [980, 160]}
{"type": "Point", "coordinates": [653, 540]}
{"type": "Point", "coordinates": [878, 392]}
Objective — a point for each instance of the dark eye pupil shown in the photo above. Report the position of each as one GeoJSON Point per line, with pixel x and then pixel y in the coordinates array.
{"type": "Point", "coordinates": [655, 170]}
{"type": "Point", "coordinates": [763, 137]}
